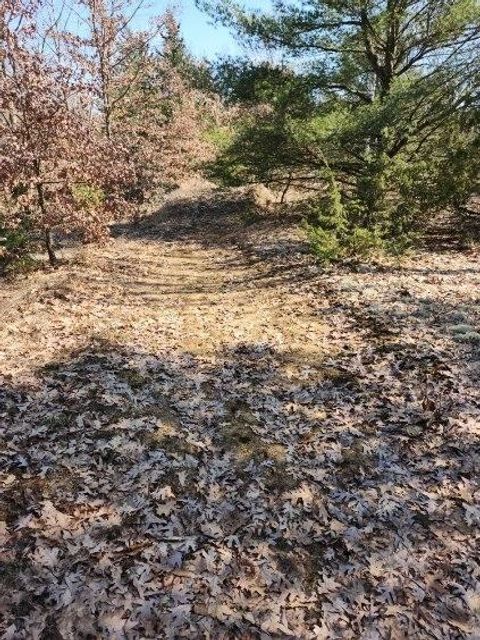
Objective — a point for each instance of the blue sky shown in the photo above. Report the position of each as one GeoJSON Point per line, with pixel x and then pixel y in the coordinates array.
{"type": "Point", "coordinates": [203, 38]}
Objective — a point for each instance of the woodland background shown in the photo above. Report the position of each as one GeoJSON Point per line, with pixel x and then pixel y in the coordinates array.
{"type": "Point", "coordinates": [369, 111]}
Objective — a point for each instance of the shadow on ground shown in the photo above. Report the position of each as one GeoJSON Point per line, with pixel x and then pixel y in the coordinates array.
{"type": "Point", "coordinates": [263, 237]}
{"type": "Point", "coordinates": [253, 495]}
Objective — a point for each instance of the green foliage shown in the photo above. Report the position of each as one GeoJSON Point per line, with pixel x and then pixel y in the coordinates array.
{"type": "Point", "coordinates": [88, 197]}
{"type": "Point", "coordinates": [386, 104]}
{"type": "Point", "coordinates": [362, 242]}
{"type": "Point", "coordinates": [358, 243]}
{"type": "Point", "coordinates": [15, 245]}
{"type": "Point", "coordinates": [220, 137]}
{"type": "Point", "coordinates": [14, 265]}
{"type": "Point", "coordinates": [13, 240]}
{"type": "Point", "coordinates": [247, 83]}
{"type": "Point", "coordinates": [197, 74]}
{"type": "Point", "coordinates": [335, 232]}
{"type": "Point", "coordinates": [325, 244]}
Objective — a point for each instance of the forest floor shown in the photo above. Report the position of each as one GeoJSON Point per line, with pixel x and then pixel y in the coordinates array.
{"type": "Point", "coordinates": [206, 435]}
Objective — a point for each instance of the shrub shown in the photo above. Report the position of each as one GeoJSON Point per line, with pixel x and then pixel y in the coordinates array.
{"type": "Point", "coordinates": [325, 244]}
{"type": "Point", "coordinates": [375, 95]}
{"type": "Point", "coordinates": [88, 197]}
{"type": "Point", "coordinates": [15, 246]}
{"type": "Point", "coordinates": [362, 242]}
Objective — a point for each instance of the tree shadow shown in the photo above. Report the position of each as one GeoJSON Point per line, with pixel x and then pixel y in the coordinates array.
{"type": "Point", "coordinates": [254, 494]}
{"type": "Point", "coordinates": [449, 327]}
{"type": "Point", "coordinates": [253, 238]}
{"type": "Point", "coordinates": [453, 231]}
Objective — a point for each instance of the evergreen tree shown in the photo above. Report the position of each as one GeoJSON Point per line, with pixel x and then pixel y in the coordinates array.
{"type": "Point", "coordinates": [385, 90]}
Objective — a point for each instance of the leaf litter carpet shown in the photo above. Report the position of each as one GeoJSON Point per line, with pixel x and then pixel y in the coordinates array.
{"type": "Point", "coordinates": [206, 436]}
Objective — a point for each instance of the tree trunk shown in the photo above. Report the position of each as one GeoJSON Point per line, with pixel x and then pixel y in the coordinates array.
{"type": "Point", "coordinates": [52, 258]}
{"type": "Point", "coordinates": [286, 188]}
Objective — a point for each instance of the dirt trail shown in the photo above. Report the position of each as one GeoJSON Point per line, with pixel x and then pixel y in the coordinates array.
{"type": "Point", "coordinates": [181, 282]}
{"type": "Point", "coordinates": [206, 436]}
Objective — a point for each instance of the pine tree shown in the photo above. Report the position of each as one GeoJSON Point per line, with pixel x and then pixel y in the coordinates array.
{"type": "Point", "coordinates": [392, 82]}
